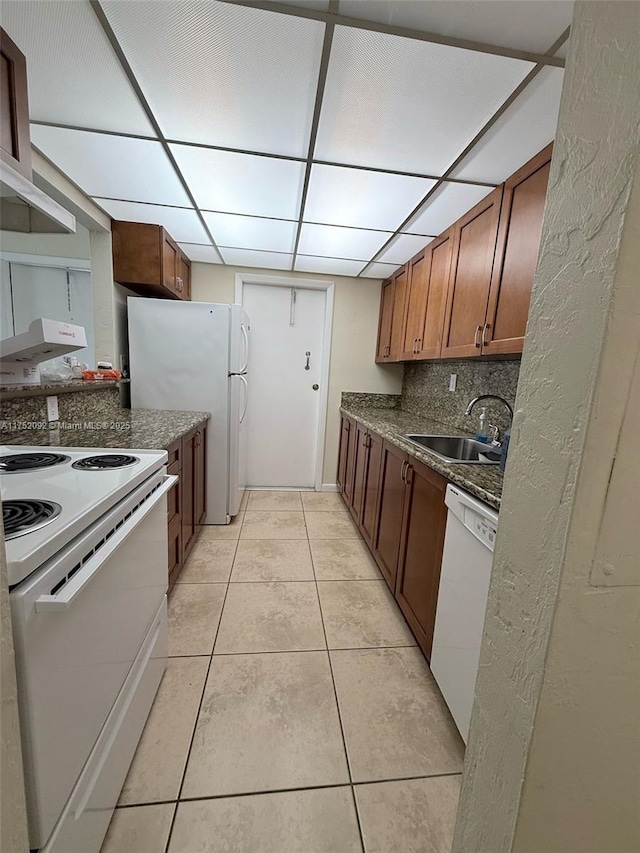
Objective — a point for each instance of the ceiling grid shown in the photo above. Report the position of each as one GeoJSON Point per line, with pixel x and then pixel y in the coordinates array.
{"type": "Point", "coordinates": [321, 137]}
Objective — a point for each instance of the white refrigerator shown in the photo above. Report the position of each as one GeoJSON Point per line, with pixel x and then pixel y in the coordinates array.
{"type": "Point", "coordinates": [193, 356]}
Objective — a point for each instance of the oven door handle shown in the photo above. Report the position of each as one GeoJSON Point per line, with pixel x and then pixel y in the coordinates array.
{"type": "Point", "coordinates": [71, 590]}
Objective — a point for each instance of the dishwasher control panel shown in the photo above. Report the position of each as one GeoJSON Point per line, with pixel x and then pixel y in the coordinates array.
{"type": "Point", "coordinates": [482, 528]}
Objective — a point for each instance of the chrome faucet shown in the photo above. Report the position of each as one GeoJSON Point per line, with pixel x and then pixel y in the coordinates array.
{"type": "Point", "coordinates": [506, 404]}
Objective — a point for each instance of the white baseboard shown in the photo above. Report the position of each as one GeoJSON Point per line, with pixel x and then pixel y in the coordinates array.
{"type": "Point", "coordinates": [329, 487]}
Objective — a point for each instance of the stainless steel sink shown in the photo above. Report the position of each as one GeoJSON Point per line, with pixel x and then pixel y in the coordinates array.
{"type": "Point", "coordinates": [457, 449]}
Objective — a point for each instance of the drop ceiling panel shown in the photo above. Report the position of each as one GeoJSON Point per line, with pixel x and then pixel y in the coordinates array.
{"type": "Point", "coordinates": [397, 103]}
{"type": "Point", "coordinates": [526, 25]}
{"type": "Point", "coordinates": [341, 196]}
{"type": "Point", "coordinates": [74, 76]}
{"type": "Point", "coordinates": [264, 260]}
{"type": "Point", "coordinates": [336, 242]}
{"type": "Point", "coordinates": [524, 129]}
{"type": "Point", "coordinates": [112, 166]}
{"type": "Point", "coordinates": [200, 253]}
{"type": "Point", "coordinates": [183, 225]}
{"type": "Point", "coordinates": [250, 232]}
{"type": "Point", "coordinates": [241, 183]}
{"type": "Point", "coordinates": [448, 203]}
{"type": "Point", "coordinates": [330, 266]}
{"type": "Point", "coordinates": [404, 246]}
{"type": "Point", "coordinates": [380, 270]}
{"type": "Point", "coordinates": [223, 74]}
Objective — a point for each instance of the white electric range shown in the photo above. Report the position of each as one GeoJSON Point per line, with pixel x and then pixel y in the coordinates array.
{"type": "Point", "coordinates": [87, 559]}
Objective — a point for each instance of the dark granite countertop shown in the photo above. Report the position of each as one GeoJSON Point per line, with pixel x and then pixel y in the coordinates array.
{"type": "Point", "coordinates": [142, 429]}
{"type": "Point", "coordinates": [482, 481]}
{"type": "Point", "coordinates": [9, 392]}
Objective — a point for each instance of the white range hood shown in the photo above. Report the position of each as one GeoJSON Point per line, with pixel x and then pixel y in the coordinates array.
{"type": "Point", "coordinates": [26, 208]}
{"type": "Point", "coordinates": [46, 339]}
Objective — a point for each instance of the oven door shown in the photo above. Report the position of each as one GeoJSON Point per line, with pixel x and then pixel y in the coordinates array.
{"type": "Point", "coordinates": [79, 623]}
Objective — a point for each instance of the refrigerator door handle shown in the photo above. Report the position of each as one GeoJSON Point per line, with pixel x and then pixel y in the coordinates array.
{"type": "Point", "coordinates": [245, 335]}
{"type": "Point", "coordinates": [246, 396]}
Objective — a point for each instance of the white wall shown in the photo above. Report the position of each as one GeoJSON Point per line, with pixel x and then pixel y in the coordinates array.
{"type": "Point", "coordinates": [353, 342]}
{"type": "Point", "coordinates": [552, 764]}
{"type": "Point", "coordinates": [50, 245]}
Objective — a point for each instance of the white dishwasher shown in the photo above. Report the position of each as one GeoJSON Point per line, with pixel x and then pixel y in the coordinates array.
{"type": "Point", "coordinates": [462, 601]}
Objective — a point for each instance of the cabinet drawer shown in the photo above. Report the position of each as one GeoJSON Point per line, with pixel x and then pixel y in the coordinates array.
{"type": "Point", "coordinates": [174, 463]}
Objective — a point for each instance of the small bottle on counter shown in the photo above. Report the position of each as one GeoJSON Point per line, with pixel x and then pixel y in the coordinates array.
{"type": "Point", "coordinates": [483, 426]}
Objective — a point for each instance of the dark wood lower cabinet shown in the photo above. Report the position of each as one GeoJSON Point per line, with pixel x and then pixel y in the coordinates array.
{"type": "Point", "coordinates": [371, 487]}
{"type": "Point", "coordinates": [425, 517]}
{"type": "Point", "coordinates": [391, 498]}
{"type": "Point", "coordinates": [343, 453]}
{"type": "Point", "coordinates": [399, 506]}
{"type": "Point", "coordinates": [359, 470]}
{"type": "Point", "coordinates": [186, 507]}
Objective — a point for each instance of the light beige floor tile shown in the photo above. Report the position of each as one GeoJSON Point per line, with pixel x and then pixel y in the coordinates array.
{"type": "Point", "coordinates": [194, 613]}
{"type": "Point", "coordinates": [270, 617]}
{"type": "Point", "coordinates": [395, 720]}
{"type": "Point", "coordinates": [414, 816]}
{"type": "Point", "coordinates": [343, 560]}
{"type": "Point", "coordinates": [245, 498]}
{"type": "Point", "coordinates": [156, 771]}
{"type": "Point", "coordinates": [272, 560]}
{"type": "Point", "coordinates": [320, 821]}
{"type": "Point", "coordinates": [267, 722]}
{"type": "Point", "coordinates": [210, 561]}
{"type": "Point", "coordinates": [274, 501]}
{"type": "Point", "coordinates": [143, 829]}
{"type": "Point", "coordinates": [331, 525]}
{"type": "Point", "coordinates": [280, 524]}
{"type": "Point", "coordinates": [362, 615]}
{"type": "Point", "coordinates": [323, 502]}
{"type": "Point", "coordinates": [223, 531]}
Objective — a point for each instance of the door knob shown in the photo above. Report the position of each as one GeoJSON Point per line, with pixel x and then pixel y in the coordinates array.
{"type": "Point", "coordinates": [315, 386]}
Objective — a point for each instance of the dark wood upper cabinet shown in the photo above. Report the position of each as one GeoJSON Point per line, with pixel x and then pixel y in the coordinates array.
{"type": "Point", "coordinates": [148, 261]}
{"type": "Point", "coordinates": [388, 529]}
{"type": "Point", "coordinates": [426, 301]}
{"type": "Point", "coordinates": [425, 516]}
{"type": "Point", "coordinates": [401, 280]}
{"type": "Point", "coordinates": [416, 304]}
{"type": "Point", "coordinates": [467, 292]}
{"type": "Point", "coordinates": [391, 324]}
{"type": "Point", "coordinates": [439, 266]}
{"type": "Point", "coordinates": [183, 278]}
{"type": "Point", "coordinates": [474, 244]}
{"type": "Point", "coordinates": [383, 351]}
{"type": "Point", "coordinates": [516, 256]}
{"type": "Point", "coordinates": [15, 142]}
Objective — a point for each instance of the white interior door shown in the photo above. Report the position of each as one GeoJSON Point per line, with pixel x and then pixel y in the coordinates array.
{"type": "Point", "coordinates": [287, 332]}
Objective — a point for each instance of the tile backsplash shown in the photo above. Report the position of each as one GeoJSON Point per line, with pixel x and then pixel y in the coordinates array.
{"type": "Point", "coordinates": [425, 390]}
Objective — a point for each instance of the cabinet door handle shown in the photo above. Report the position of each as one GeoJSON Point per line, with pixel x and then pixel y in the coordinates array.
{"type": "Point", "coordinates": [485, 329]}
{"type": "Point", "coordinates": [405, 465]}
{"type": "Point", "coordinates": [418, 346]}
{"type": "Point", "coordinates": [476, 342]}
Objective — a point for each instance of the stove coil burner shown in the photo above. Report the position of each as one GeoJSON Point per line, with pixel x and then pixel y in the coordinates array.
{"type": "Point", "coordinates": [105, 462]}
{"type": "Point", "coordinates": [17, 462]}
{"type": "Point", "coordinates": [25, 516]}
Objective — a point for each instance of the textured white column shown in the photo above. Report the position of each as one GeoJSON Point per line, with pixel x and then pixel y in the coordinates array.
{"type": "Point", "coordinates": [554, 750]}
